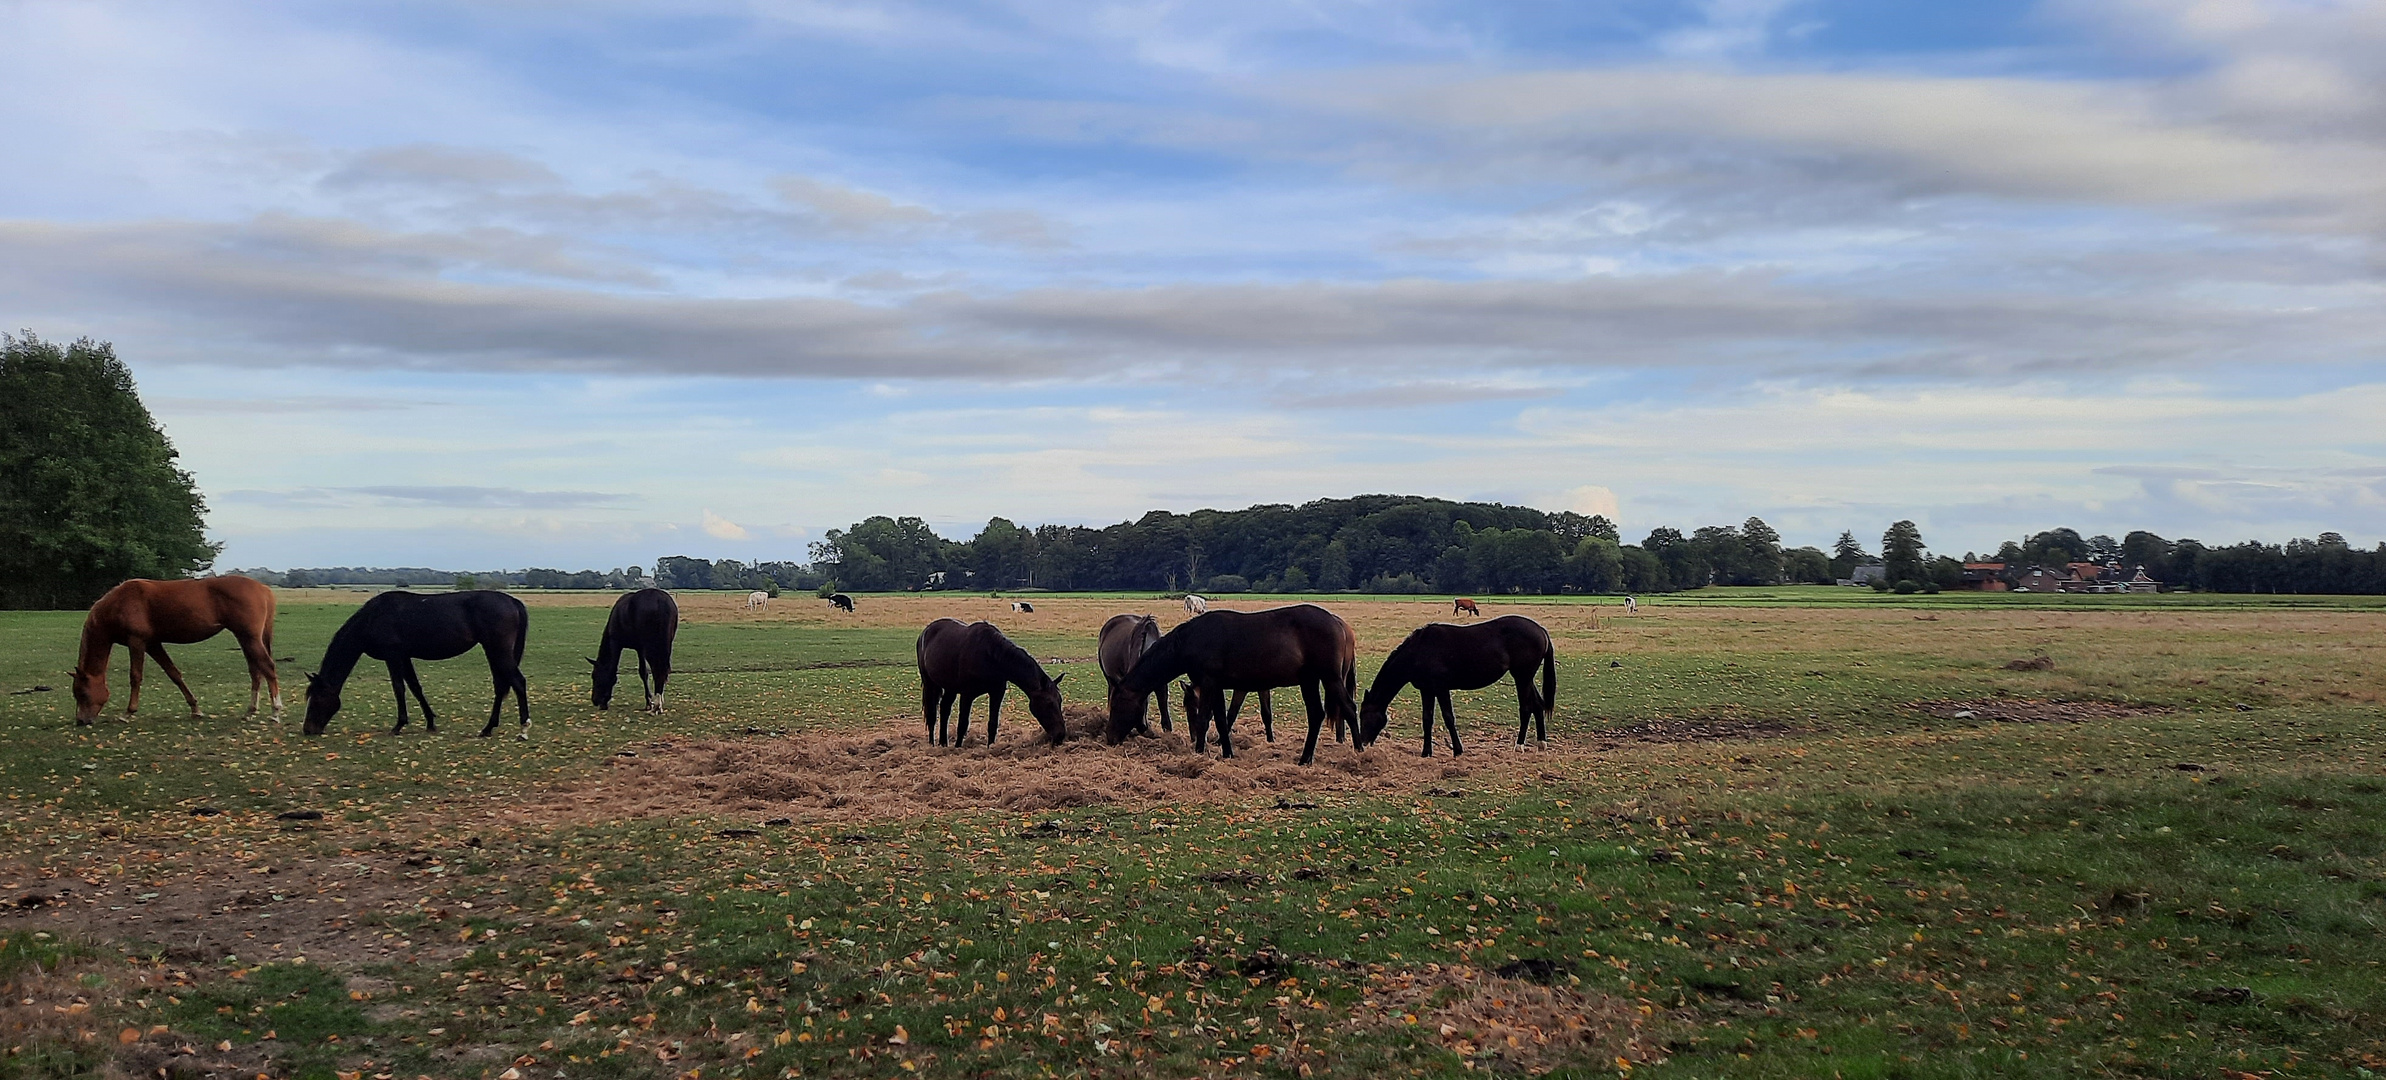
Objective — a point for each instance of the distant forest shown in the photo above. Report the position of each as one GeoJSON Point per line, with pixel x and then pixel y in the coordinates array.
{"type": "Point", "coordinates": [1411, 544]}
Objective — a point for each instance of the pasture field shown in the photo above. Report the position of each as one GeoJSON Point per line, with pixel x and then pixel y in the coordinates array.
{"type": "Point", "coordinates": [1775, 833]}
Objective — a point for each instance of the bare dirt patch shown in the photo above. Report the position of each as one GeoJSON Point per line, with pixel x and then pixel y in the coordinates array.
{"type": "Point", "coordinates": [1518, 1024]}
{"type": "Point", "coordinates": [892, 772]}
{"type": "Point", "coordinates": [2033, 710]}
{"type": "Point", "coordinates": [255, 905]}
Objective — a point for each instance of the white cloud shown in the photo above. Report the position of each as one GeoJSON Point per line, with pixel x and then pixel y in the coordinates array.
{"type": "Point", "coordinates": [721, 528]}
{"type": "Point", "coordinates": [1591, 499]}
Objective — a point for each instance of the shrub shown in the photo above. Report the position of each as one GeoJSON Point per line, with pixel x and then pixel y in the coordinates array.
{"type": "Point", "coordinates": [1230, 583]}
{"type": "Point", "coordinates": [1908, 587]}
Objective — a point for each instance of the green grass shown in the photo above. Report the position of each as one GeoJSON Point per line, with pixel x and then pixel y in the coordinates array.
{"type": "Point", "coordinates": [1879, 894]}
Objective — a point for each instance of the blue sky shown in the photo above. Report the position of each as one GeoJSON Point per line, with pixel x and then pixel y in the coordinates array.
{"type": "Point", "coordinates": [510, 284]}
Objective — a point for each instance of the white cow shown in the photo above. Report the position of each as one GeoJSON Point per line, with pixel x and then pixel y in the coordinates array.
{"type": "Point", "coordinates": [1195, 605]}
{"type": "Point", "coordinates": [757, 601]}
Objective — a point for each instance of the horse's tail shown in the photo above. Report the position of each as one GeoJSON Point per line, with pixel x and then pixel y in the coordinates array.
{"type": "Point", "coordinates": [522, 626]}
{"type": "Point", "coordinates": [1549, 680]}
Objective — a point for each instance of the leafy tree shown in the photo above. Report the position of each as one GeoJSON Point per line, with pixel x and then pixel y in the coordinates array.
{"type": "Point", "coordinates": [1333, 571]}
{"type": "Point", "coordinates": [89, 492]}
{"type": "Point", "coordinates": [1901, 552]}
{"type": "Point", "coordinates": [1806, 566]}
{"type": "Point", "coordinates": [1597, 565]}
{"type": "Point", "coordinates": [1763, 563]}
{"type": "Point", "coordinates": [2103, 549]}
{"type": "Point", "coordinates": [2054, 547]}
{"type": "Point", "coordinates": [682, 572]}
{"type": "Point", "coordinates": [883, 554]}
{"type": "Point", "coordinates": [1847, 555]}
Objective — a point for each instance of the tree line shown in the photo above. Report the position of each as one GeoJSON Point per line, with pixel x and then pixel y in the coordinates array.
{"type": "Point", "coordinates": [90, 494]}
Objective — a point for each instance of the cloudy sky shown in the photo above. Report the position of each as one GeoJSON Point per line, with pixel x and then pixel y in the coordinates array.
{"type": "Point", "coordinates": [506, 284]}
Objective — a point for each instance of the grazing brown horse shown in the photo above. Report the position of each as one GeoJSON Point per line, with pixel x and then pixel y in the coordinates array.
{"type": "Point", "coordinates": [145, 616]}
{"type": "Point", "coordinates": [1441, 657]}
{"type": "Point", "coordinates": [1302, 645]}
{"type": "Point", "coordinates": [1465, 606]}
{"type": "Point", "coordinates": [1124, 640]}
{"type": "Point", "coordinates": [963, 661]}
{"type": "Point", "coordinates": [644, 622]}
{"type": "Point", "coordinates": [399, 628]}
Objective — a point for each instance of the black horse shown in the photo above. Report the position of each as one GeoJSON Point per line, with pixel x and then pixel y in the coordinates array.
{"type": "Point", "coordinates": [644, 622]}
{"type": "Point", "coordinates": [1303, 645]}
{"type": "Point", "coordinates": [1441, 657]}
{"type": "Point", "coordinates": [399, 628]}
{"type": "Point", "coordinates": [961, 662]}
{"type": "Point", "coordinates": [1196, 702]}
{"type": "Point", "coordinates": [841, 600]}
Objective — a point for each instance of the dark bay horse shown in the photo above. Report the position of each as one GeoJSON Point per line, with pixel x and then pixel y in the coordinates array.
{"type": "Point", "coordinates": [1302, 645]}
{"type": "Point", "coordinates": [962, 661]}
{"type": "Point", "coordinates": [644, 622]}
{"type": "Point", "coordinates": [1441, 657]}
{"type": "Point", "coordinates": [1123, 641]}
{"type": "Point", "coordinates": [1195, 702]}
{"type": "Point", "coordinates": [399, 628]}
{"type": "Point", "coordinates": [145, 616]}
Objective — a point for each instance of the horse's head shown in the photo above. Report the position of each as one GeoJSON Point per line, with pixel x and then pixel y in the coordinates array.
{"type": "Point", "coordinates": [1127, 710]}
{"type": "Point", "coordinates": [1198, 707]}
{"type": "Point", "coordinates": [1374, 713]}
{"type": "Point", "coordinates": [91, 694]}
{"type": "Point", "coordinates": [600, 683]}
{"type": "Point", "coordinates": [323, 699]}
{"type": "Point", "coordinates": [1044, 704]}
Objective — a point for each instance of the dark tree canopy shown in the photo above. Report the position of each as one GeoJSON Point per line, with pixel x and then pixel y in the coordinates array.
{"type": "Point", "coordinates": [89, 492]}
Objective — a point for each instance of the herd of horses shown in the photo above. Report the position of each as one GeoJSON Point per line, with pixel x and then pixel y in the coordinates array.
{"type": "Point", "coordinates": [1210, 655]}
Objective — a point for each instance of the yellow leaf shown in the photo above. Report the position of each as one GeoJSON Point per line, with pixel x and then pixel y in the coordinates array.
{"type": "Point", "coordinates": [782, 1038]}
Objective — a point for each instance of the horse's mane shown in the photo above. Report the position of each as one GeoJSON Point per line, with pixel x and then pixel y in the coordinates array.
{"type": "Point", "coordinates": [1019, 665]}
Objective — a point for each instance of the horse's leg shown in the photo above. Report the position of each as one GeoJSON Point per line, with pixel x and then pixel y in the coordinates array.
{"type": "Point", "coordinates": [414, 682]}
{"type": "Point", "coordinates": [929, 695]}
{"type": "Point", "coordinates": [1428, 696]}
{"type": "Point", "coordinates": [1450, 721]}
{"type": "Point", "coordinates": [994, 711]}
{"type": "Point", "coordinates": [1267, 714]}
{"type": "Point", "coordinates": [1527, 704]}
{"type": "Point", "coordinates": [1223, 713]}
{"type": "Point", "coordinates": [138, 651]}
{"type": "Point", "coordinates": [521, 700]}
{"type": "Point", "coordinates": [1317, 717]}
{"type": "Point", "coordinates": [1163, 695]}
{"type": "Point", "coordinates": [644, 684]}
{"type": "Point", "coordinates": [397, 685]}
{"type": "Point", "coordinates": [158, 649]}
{"type": "Point", "coordinates": [961, 731]}
{"type": "Point", "coordinates": [260, 659]}
{"type": "Point", "coordinates": [1234, 709]}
